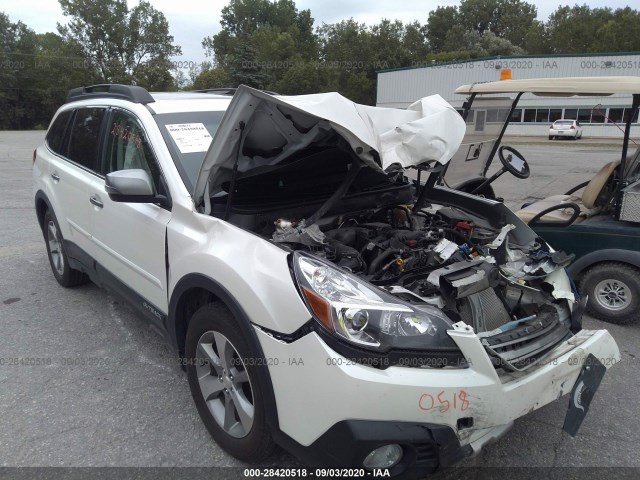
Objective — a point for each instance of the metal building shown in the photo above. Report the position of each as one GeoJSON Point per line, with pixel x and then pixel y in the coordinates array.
{"type": "Point", "coordinates": [600, 116]}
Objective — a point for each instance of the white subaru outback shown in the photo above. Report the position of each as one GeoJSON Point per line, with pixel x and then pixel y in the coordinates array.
{"type": "Point", "coordinates": [325, 291]}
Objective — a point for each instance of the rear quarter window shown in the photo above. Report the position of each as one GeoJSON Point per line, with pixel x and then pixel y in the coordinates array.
{"type": "Point", "coordinates": [85, 136]}
{"type": "Point", "coordinates": [56, 135]}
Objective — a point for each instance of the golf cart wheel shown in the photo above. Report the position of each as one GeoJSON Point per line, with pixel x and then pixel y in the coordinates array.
{"type": "Point", "coordinates": [222, 373]}
{"type": "Point", "coordinates": [614, 292]}
{"type": "Point", "coordinates": [62, 271]}
{"type": "Point", "coordinates": [550, 137]}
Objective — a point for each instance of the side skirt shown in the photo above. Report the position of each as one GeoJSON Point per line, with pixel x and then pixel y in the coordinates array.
{"type": "Point", "coordinates": [81, 260]}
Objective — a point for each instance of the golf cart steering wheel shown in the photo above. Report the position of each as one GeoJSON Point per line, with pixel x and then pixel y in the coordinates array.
{"type": "Point", "coordinates": [513, 162]}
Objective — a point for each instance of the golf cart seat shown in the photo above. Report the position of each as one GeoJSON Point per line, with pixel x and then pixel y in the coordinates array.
{"type": "Point", "coordinates": [569, 208]}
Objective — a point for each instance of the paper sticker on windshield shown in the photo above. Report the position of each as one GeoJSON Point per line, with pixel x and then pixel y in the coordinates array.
{"type": "Point", "coordinates": [190, 137]}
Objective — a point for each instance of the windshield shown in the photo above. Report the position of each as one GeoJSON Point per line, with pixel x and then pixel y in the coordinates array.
{"type": "Point", "coordinates": [484, 123]}
{"type": "Point", "coordinates": [563, 122]}
{"type": "Point", "coordinates": [188, 136]}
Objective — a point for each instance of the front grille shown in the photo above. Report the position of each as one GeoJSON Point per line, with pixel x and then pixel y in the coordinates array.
{"type": "Point", "coordinates": [521, 347]}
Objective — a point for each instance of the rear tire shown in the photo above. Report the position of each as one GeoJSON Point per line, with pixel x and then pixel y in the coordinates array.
{"type": "Point", "coordinates": [58, 259]}
{"type": "Point", "coordinates": [222, 373]}
{"type": "Point", "coordinates": [614, 292]}
{"type": "Point", "coordinates": [550, 137]}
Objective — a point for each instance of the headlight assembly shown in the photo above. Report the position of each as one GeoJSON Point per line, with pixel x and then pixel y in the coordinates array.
{"type": "Point", "coordinates": [365, 316]}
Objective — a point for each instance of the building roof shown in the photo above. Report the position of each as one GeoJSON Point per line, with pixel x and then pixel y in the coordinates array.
{"type": "Point", "coordinates": [561, 86]}
{"type": "Point", "coordinates": [441, 64]}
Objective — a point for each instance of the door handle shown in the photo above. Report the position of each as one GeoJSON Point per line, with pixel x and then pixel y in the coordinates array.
{"type": "Point", "coordinates": [95, 200]}
{"type": "Point", "coordinates": [55, 176]}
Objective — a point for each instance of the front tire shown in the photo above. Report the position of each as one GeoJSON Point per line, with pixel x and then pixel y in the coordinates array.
{"type": "Point", "coordinates": [222, 373]}
{"type": "Point", "coordinates": [63, 273]}
{"type": "Point", "coordinates": [614, 292]}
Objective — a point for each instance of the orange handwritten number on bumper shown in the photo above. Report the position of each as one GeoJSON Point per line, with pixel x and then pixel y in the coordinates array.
{"type": "Point", "coordinates": [443, 402]}
{"type": "Point", "coordinates": [464, 402]}
{"type": "Point", "coordinates": [424, 398]}
{"type": "Point", "coordinates": [460, 401]}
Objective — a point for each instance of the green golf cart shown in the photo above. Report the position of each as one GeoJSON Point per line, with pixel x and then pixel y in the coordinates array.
{"type": "Point", "coordinates": [598, 220]}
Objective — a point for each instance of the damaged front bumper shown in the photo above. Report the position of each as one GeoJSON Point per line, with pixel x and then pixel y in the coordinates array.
{"type": "Point", "coordinates": [520, 392]}
{"type": "Point", "coordinates": [476, 404]}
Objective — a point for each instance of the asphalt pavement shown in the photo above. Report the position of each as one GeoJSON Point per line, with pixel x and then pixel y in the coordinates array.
{"type": "Point", "coordinates": [84, 383]}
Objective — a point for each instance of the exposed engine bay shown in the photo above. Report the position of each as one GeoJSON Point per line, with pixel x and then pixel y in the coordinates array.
{"type": "Point", "coordinates": [452, 260]}
{"type": "Point", "coordinates": [308, 184]}
{"type": "Point", "coordinates": [468, 257]}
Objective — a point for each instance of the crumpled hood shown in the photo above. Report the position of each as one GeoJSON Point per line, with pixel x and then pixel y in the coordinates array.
{"type": "Point", "coordinates": [273, 128]}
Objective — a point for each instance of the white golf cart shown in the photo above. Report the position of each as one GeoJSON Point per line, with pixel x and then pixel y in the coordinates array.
{"type": "Point", "coordinates": [598, 221]}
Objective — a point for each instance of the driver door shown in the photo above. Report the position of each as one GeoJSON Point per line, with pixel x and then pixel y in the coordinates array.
{"type": "Point", "coordinates": [129, 238]}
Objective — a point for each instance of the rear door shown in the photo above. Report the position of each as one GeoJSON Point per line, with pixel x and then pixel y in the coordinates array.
{"type": "Point", "coordinates": [129, 238]}
{"type": "Point", "coordinates": [71, 169]}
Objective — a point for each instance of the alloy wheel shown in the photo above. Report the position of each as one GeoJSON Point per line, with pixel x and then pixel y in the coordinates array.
{"type": "Point", "coordinates": [55, 247]}
{"type": "Point", "coordinates": [224, 383]}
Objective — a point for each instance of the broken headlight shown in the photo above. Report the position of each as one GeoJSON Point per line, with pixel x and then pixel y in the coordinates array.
{"type": "Point", "coordinates": [364, 315]}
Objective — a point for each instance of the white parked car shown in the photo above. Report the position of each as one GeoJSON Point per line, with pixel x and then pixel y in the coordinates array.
{"type": "Point", "coordinates": [565, 129]}
{"type": "Point", "coordinates": [319, 299]}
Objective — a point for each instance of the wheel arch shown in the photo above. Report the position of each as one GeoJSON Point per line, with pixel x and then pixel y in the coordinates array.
{"type": "Point", "coordinates": [42, 204]}
{"type": "Point", "coordinates": [195, 290]}
{"type": "Point", "coordinates": [629, 257]}
{"type": "Point", "coordinates": [190, 293]}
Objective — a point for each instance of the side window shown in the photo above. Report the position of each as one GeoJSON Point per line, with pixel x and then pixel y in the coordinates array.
{"type": "Point", "coordinates": [127, 147]}
{"type": "Point", "coordinates": [480, 116]}
{"type": "Point", "coordinates": [55, 135]}
{"type": "Point", "coordinates": [83, 146]}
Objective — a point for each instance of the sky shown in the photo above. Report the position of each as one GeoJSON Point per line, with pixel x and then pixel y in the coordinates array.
{"type": "Point", "coordinates": [192, 20]}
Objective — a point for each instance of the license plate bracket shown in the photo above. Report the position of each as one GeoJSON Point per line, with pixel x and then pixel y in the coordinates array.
{"type": "Point", "coordinates": [582, 393]}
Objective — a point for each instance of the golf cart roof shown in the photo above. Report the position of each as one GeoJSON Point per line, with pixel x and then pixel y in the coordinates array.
{"type": "Point", "coordinates": [562, 86]}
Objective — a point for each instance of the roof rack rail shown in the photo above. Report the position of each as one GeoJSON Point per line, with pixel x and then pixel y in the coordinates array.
{"type": "Point", "coordinates": [226, 91]}
{"type": "Point", "coordinates": [132, 93]}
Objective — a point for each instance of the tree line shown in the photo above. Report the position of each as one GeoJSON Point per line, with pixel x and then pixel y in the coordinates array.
{"type": "Point", "coordinates": [271, 45]}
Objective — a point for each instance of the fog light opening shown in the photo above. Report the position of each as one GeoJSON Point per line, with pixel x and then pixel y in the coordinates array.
{"type": "Point", "coordinates": [466, 422]}
{"type": "Point", "coordinates": [383, 457]}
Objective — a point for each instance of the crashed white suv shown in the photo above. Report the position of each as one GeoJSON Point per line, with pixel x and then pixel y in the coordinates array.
{"type": "Point", "coordinates": [320, 299]}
